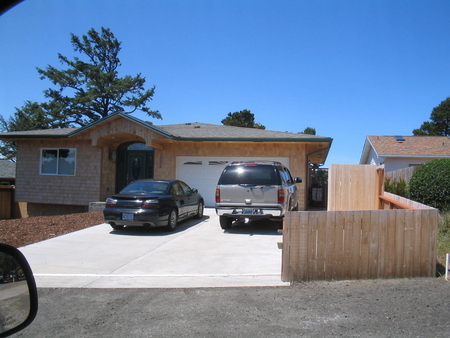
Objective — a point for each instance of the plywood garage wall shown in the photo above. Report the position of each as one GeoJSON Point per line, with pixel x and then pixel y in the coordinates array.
{"type": "Point", "coordinates": [353, 187]}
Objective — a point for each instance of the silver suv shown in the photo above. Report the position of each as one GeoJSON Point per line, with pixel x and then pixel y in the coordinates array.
{"type": "Point", "coordinates": [255, 190]}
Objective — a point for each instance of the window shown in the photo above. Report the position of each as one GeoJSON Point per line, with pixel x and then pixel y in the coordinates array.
{"type": "Point", "coordinates": [58, 161]}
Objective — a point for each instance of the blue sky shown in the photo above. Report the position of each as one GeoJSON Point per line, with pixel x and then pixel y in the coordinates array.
{"type": "Point", "coordinates": [346, 68]}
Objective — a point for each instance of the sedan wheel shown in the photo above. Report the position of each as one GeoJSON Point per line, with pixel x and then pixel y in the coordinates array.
{"type": "Point", "coordinates": [200, 209]}
{"type": "Point", "coordinates": [173, 220]}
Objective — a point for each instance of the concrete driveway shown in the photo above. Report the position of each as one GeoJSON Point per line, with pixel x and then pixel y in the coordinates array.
{"type": "Point", "coordinates": [198, 254]}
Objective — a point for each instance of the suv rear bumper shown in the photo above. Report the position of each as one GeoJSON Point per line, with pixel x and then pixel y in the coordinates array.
{"type": "Point", "coordinates": [250, 212]}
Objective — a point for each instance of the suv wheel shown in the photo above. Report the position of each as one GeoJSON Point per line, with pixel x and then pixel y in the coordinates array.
{"type": "Point", "coordinates": [225, 222]}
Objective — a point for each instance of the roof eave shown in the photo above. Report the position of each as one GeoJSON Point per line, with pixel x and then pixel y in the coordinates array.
{"type": "Point", "coordinates": [253, 139]}
{"type": "Point", "coordinates": [126, 116]}
{"type": "Point", "coordinates": [413, 156]}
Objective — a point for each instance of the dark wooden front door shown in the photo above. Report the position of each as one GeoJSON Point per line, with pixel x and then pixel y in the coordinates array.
{"type": "Point", "coordinates": [134, 162]}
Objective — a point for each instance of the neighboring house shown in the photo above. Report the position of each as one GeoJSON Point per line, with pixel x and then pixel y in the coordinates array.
{"type": "Point", "coordinates": [63, 170]}
{"type": "Point", "coordinates": [398, 152]}
{"type": "Point", "coordinates": [7, 172]}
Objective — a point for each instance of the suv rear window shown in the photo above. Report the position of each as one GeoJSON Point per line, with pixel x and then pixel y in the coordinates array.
{"type": "Point", "coordinates": [250, 175]}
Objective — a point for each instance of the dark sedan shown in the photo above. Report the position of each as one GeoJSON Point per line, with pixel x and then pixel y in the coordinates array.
{"type": "Point", "coordinates": [153, 203]}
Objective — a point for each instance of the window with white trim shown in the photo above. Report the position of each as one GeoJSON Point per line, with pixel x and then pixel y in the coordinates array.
{"type": "Point", "coordinates": [58, 161]}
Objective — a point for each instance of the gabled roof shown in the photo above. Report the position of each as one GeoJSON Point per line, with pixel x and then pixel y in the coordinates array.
{"type": "Point", "coordinates": [7, 169]}
{"type": "Point", "coordinates": [407, 146]}
{"type": "Point", "coordinates": [182, 132]}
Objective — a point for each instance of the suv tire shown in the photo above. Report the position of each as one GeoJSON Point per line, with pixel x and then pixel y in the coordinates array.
{"type": "Point", "coordinates": [225, 222]}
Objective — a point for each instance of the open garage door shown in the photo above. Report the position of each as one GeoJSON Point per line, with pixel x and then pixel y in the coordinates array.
{"type": "Point", "coordinates": [204, 172]}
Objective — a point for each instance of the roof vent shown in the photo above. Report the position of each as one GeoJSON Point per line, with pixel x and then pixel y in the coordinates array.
{"type": "Point", "coordinates": [399, 138]}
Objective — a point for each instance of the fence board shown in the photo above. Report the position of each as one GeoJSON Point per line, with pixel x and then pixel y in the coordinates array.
{"type": "Point", "coordinates": [6, 201]}
{"type": "Point", "coordinates": [401, 174]}
{"type": "Point", "coordinates": [359, 244]}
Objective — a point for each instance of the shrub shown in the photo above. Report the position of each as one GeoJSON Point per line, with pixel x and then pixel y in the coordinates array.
{"type": "Point", "coordinates": [399, 188]}
{"type": "Point", "coordinates": [430, 184]}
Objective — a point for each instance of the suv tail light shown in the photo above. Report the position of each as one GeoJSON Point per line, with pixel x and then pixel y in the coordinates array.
{"type": "Point", "coordinates": [217, 195]}
{"type": "Point", "coordinates": [281, 196]}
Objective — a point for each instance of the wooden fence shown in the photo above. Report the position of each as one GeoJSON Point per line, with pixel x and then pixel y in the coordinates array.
{"type": "Point", "coordinates": [354, 187]}
{"type": "Point", "coordinates": [401, 174]}
{"type": "Point", "coordinates": [363, 244]}
{"type": "Point", "coordinates": [366, 232]}
{"type": "Point", "coordinates": [6, 201]}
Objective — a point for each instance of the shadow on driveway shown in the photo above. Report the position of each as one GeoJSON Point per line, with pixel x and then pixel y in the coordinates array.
{"type": "Point", "coordinates": [258, 227]}
{"type": "Point", "coordinates": [159, 231]}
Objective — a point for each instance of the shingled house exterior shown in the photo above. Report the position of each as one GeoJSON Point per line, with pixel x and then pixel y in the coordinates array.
{"type": "Point", "coordinates": [398, 152]}
{"type": "Point", "coordinates": [63, 170]}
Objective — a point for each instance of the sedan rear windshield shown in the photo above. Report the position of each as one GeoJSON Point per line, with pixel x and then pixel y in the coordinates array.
{"type": "Point", "coordinates": [147, 188]}
{"type": "Point", "coordinates": [250, 175]}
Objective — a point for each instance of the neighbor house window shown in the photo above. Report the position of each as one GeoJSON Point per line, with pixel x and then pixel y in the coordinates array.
{"type": "Point", "coordinates": [58, 161]}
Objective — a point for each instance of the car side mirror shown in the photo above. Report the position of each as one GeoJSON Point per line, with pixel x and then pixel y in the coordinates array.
{"type": "Point", "coordinates": [18, 292]}
{"type": "Point", "coordinates": [298, 180]}
{"type": "Point", "coordinates": [193, 190]}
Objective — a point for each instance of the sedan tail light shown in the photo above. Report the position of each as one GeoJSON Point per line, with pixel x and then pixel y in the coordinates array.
{"type": "Point", "coordinates": [150, 204]}
{"type": "Point", "coordinates": [281, 196]}
{"type": "Point", "coordinates": [111, 202]}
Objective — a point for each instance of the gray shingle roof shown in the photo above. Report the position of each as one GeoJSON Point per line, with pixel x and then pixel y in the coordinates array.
{"type": "Point", "coordinates": [7, 169]}
{"type": "Point", "coordinates": [205, 131]}
{"type": "Point", "coordinates": [185, 131]}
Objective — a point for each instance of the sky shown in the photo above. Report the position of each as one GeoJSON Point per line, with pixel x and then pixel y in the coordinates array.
{"type": "Point", "coordinates": [346, 68]}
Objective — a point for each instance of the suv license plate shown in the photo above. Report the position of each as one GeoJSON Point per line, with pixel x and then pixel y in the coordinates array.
{"type": "Point", "coordinates": [127, 217]}
{"type": "Point", "coordinates": [247, 211]}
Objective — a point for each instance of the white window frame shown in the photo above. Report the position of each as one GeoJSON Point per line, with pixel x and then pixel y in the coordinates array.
{"type": "Point", "coordinates": [57, 171]}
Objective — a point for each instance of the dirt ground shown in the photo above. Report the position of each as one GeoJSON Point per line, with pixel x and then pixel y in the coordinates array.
{"type": "Point", "coordinates": [25, 231]}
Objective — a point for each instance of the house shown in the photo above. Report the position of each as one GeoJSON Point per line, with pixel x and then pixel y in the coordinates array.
{"type": "Point", "coordinates": [7, 173]}
{"type": "Point", "coordinates": [398, 152]}
{"type": "Point", "coordinates": [63, 170]}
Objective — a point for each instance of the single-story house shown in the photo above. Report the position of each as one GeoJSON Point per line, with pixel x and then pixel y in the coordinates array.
{"type": "Point", "coordinates": [63, 170]}
{"type": "Point", "coordinates": [398, 152]}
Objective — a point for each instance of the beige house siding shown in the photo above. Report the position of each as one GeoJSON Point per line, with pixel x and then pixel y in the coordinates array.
{"type": "Point", "coordinates": [32, 187]}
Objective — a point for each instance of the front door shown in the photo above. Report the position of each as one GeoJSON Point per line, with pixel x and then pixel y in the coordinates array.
{"type": "Point", "coordinates": [134, 162]}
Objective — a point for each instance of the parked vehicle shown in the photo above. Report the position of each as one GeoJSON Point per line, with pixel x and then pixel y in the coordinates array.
{"type": "Point", "coordinates": [255, 190]}
{"type": "Point", "coordinates": [153, 203]}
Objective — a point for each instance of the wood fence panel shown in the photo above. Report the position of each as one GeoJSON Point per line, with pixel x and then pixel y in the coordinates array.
{"type": "Point", "coordinates": [401, 174]}
{"type": "Point", "coordinates": [6, 201]}
{"type": "Point", "coordinates": [339, 245]}
{"type": "Point", "coordinates": [353, 187]}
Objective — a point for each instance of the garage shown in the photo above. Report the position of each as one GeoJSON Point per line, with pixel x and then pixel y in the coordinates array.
{"type": "Point", "coordinates": [204, 172]}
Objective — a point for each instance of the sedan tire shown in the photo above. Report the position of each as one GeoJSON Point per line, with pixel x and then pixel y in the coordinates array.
{"type": "Point", "coordinates": [172, 221]}
{"type": "Point", "coordinates": [200, 210]}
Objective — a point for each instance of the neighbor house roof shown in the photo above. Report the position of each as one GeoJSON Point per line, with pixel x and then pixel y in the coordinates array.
{"type": "Point", "coordinates": [407, 146]}
{"type": "Point", "coordinates": [182, 132]}
{"type": "Point", "coordinates": [7, 169]}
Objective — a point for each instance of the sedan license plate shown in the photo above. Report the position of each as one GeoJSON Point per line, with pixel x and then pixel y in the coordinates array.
{"type": "Point", "coordinates": [247, 211]}
{"type": "Point", "coordinates": [127, 217]}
